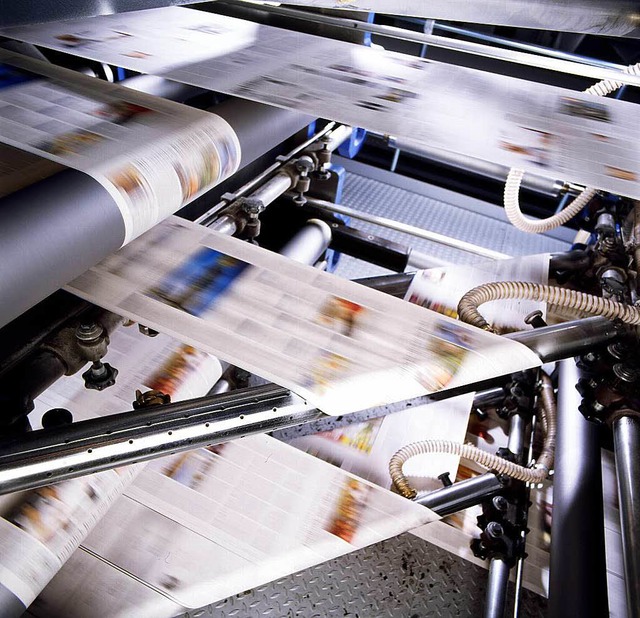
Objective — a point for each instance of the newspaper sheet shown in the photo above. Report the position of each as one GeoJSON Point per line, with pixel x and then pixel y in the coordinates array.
{"type": "Point", "coordinates": [39, 530]}
{"type": "Point", "coordinates": [440, 289]}
{"type": "Point", "coordinates": [152, 155]}
{"type": "Point", "coordinates": [547, 130]}
{"type": "Point", "coordinates": [366, 448]}
{"type": "Point", "coordinates": [198, 527]}
{"type": "Point", "coordinates": [339, 345]}
{"type": "Point", "coordinates": [615, 18]}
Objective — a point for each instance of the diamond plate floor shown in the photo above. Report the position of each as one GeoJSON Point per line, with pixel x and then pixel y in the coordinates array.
{"type": "Point", "coordinates": [404, 577]}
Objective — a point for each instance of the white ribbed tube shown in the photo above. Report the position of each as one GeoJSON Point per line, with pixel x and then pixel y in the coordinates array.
{"type": "Point", "coordinates": [562, 297]}
{"type": "Point", "coordinates": [514, 179]}
{"type": "Point", "coordinates": [547, 411]}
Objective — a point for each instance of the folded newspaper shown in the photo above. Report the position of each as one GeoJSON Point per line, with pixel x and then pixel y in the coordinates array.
{"type": "Point", "coordinates": [549, 131]}
{"type": "Point", "coordinates": [340, 345]}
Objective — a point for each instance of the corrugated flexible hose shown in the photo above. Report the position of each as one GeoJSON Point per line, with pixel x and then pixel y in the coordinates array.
{"type": "Point", "coordinates": [571, 299]}
{"type": "Point", "coordinates": [514, 179]}
{"type": "Point", "coordinates": [535, 475]}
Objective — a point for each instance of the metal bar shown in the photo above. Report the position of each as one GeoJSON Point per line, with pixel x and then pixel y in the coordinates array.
{"type": "Point", "coordinates": [531, 182]}
{"type": "Point", "coordinates": [405, 228]}
{"type": "Point", "coordinates": [462, 495]}
{"type": "Point", "coordinates": [552, 343]}
{"type": "Point", "coordinates": [497, 583]}
{"type": "Point", "coordinates": [271, 190]}
{"type": "Point", "coordinates": [529, 47]}
{"type": "Point", "coordinates": [45, 457]}
{"type": "Point", "coordinates": [468, 47]}
{"type": "Point", "coordinates": [578, 573]}
{"type": "Point", "coordinates": [626, 441]}
{"type": "Point", "coordinates": [210, 214]}
{"type": "Point", "coordinates": [308, 245]}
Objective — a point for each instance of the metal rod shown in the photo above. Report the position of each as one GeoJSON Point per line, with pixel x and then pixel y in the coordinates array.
{"type": "Point", "coordinates": [45, 457]}
{"type": "Point", "coordinates": [515, 443]}
{"type": "Point", "coordinates": [575, 67]}
{"type": "Point", "coordinates": [308, 245]}
{"type": "Point", "coordinates": [209, 215]}
{"type": "Point", "coordinates": [273, 188]}
{"type": "Point", "coordinates": [529, 47]}
{"type": "Point", "coordinates": [461, 495]}
{"type": "Point", "coordinates": [405, 228]}
{"type": "Point", "coordinates": [552, 343]}
{"type": "Point", "coordinates": [577, 573]}
{"type": "Point", "coordinates": [626, 441]}
{"type": "Point", "coordinates": [497, 583]}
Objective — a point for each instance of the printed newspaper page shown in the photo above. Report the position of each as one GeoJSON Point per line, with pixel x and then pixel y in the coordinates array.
{"type": "Point", "coordinates": [153, 156]}
{"type": "Point", "coordinates": [198, 527]}
{"type": "Point", "coordinates": [440, 289]}
{"type": "Point", "coordinates": [336, 343]}
{"type": "Point", "coordinates": [543, 129]}
{"type": "Point", "coordinates": [40, 530]}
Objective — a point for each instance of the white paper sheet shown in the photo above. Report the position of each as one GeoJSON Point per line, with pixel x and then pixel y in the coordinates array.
{"type": "Point", "coordinates": [336, 343]}
{"type": "Point", "coordinates": [153, 156]}
{"type": "Point", "coordinates": [547, 130]}
{"type": "Point", "coordinates": [440, 289]}
{"type": "Point", "coordinates": [40, 529]}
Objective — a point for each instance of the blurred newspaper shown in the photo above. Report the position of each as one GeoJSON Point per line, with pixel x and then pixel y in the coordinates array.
{"type": "Point", "coordinates": [338, 344]}
{"type": "Point", "coordinates": [440, 289]}
{"type": "Point", "coordinates": [39, 530]}
{"type": "Point", "coordinates": [152, 155]}
{"type": "Point", "coordinates": [550, 131]}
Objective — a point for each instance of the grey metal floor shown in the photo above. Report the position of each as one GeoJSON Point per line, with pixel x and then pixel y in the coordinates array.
{"type": "Point", "coordinates": [405, 577]}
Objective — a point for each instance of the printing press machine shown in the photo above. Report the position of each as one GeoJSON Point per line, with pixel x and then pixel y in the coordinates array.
{"type": "Point", "coordinates": [369, 207]}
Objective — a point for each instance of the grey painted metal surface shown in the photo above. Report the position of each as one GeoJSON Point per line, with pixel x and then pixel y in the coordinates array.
{"type": "Point", "coordinates": [404, 577]}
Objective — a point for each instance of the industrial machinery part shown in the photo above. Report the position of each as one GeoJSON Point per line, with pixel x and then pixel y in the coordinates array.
{"type": "Point", "coordinates": [577, 572]}
{"type": "Point", "coordinates": [562, 297]}
{"type": "Point", "coordinates": [35, 220]}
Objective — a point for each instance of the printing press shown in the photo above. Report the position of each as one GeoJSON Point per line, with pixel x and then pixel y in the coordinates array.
{"type": "Point", "coordinates": [360, 203]}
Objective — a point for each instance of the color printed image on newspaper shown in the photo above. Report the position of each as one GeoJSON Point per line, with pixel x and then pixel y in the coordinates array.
{"type": "Point", "coordinates": [440, 289]}
{"type": "Point", "coordinates": [547, 130]}
{"type": "Point", "coordinates": [40, 529]}
{"type": "Point", "coordinates": [339, 345]}
{"type": "Point", "coordinates": [154, 156]}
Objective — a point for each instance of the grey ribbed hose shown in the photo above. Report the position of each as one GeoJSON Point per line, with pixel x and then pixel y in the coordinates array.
{"type": "Point", "coordinates": [562, 297]}
{"type": "Point", "coordinates": [547, 410]}
{"type": "Point", "coordinates": [514, 179]}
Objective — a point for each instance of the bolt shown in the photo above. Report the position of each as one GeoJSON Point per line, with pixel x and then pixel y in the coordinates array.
{"type": "Point", "coordinates": [89, 332]}
{"type": "Point", "coordinates": [535, 319]}
{"type": "Point", "coordinates": [445, 479]}
{"type": "Point", "coordinates": [305, 165]}
{"type": "Point", "coordinates": [627, 373]}
{"type": "Point", "coordinates": [494, 529]}
{"type": "Point", "coordinates": [500, 503]}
